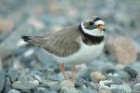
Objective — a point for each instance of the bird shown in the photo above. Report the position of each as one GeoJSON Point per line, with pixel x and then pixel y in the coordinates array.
{"type": "Point", "coordinates": [73, 45]}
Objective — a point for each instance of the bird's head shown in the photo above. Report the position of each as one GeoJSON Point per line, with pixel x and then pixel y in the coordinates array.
{"type": "Point", "coordinates": [93, 26]}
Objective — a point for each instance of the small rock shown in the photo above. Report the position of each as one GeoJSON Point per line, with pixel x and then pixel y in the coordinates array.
{"type": "Point", "coordinates": [14, 91]}
{"type": "Point", "coordinates": [123, 49]}
{"type": "Point", "coordinates": [97, 76]}
{"type": "Point", "coordinates": [2, 80]}
{"type": "Point", "coordinates": [104, 86]}
{"type": "Point", "coordinates": [41, 90]}
{"type": "Point", "coordinates": [6, 25]}
{"type": "Point", "coordinates": [120, 89]}
{"type": "Point", "coordinates": [54, 7]}
{"type": "Point", "coordinates": [47, 83]}
{"type": "Point", "coordinates": [136, 88]}
{"type": "Point", "coordinates": [133, 73]}
{"type": "Point", "coordinates": [104, 90]}
{"type": "Point", "coordinates": [67, 90]}
{"type": "Point", "coordinates": [59, 77]}
{"type": "Point", "coordinates": [109, 71]}
{"type": "Point", "coordinates": [105, 83]}
{"type": "Point", "coordinates": [67, 83]}
{"type": "Point", "coordinates": [37, 77]}
{"type": "Point", "coordinates": [36, 24]}
{"type": "Point", "coordinates": [13, 74]}
{"type": "Point", "coordinates": [89, 90]}
{"type": "Point", "coordinates": [7, 86]}
{"type": "Point", "coordinates": [25, 85]}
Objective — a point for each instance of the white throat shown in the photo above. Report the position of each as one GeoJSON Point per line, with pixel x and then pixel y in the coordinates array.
{"type": "Point", "coordinates": [93, 32]}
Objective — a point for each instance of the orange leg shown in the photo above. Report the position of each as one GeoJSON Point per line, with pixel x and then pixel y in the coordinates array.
{"type": "Point", "coordinates": [62, 68]}
{"type": "Point", "coordinates": [73, 73]}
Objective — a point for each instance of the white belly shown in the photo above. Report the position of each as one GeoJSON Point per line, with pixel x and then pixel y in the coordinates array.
{"type": "Point", "coordinates": [85, 54]}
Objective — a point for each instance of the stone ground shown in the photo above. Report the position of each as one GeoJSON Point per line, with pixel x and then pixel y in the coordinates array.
{"type": "Point", "coordinates": [28, 69]}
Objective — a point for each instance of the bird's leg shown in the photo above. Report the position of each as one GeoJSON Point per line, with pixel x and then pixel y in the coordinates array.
{"type": "Point", "coordinates": [73, 73]}
{"type": "Point", "coordinates": [62, 68]}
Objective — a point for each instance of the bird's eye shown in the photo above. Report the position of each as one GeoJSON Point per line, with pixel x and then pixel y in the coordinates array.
{"type": "Point", "coordinates": [90, 23]}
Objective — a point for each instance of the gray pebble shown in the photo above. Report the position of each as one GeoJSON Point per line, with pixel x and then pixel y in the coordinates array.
{"type": "Point", "coordinates": [56, 77]}
{"type": "Point", "coordinates": [132, 72]}
{"type": "Point", "coordinates": [23, 78]}
{"type": "Point", "coordinates": [14, 91]}
{"type": "Point", "coordinates": [2, 80]}
{"type": "Point", "coordinates": [8, 85]}
{"type": "Point", "coordinates": [25, 85]}
{"type": "Point", "coordinates": [37, 77]}
{"type": "Point", "coordinates": [120, 89]}
{"type": "Point", "coordinates": [136, 87]}
{"type": "Point", "coordinates": [66, 86]}
{"type": "Point", "coordinates": [13, 74]}
{"type": "Point", "coordinates": [68, 90]}
{"type": "Point", "coordinates": [41, 90]}
{"type": "Point", "coordinates": [67, 83]}
{"type": "Point", "coordinates": [89, 90]}
{"type": "Point", "coordinates": [48, 83]}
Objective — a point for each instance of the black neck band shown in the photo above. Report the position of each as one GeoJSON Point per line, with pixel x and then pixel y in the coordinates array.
{"type": "Point", "coordinates": [89, 39]}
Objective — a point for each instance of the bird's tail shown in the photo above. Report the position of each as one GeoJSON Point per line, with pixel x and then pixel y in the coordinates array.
{"type": "Point", "coordinates": [35, 40]}
{"type": "Point", "coordinates": [26, 38]}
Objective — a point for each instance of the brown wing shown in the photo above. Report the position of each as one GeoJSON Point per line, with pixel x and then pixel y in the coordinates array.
{"type": "Point", "coordinates": [61, 43]}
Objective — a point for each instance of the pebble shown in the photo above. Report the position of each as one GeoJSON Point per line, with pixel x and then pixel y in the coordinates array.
{"type": "Point", "coordinates": [89, 90]}
{"type": "Point", "coordinates": [25, 85]}
{"type": "Point", "coordinates": [14, 91]}
{"type": "Point", "coordinates": [104, 86]}
{"type": "Point", "coordinates": [136, 87]}
{"type": "Point", "coordinates": [6, 25]}
{"type": "Point", "coordinates": [104, 89]}
{"type": "Point", "coordinates": [41, 90]}
{"type": "Point", "coordinates": [13, 74]}
{"type": "Point", "coordinates": [37, 77]}
{"type": "Point", "coordinates": [8, 85]}
{"type": "Point", "coordinates": [48, 83]}
{"type": "Point", "coordinates": [68, 90]}
{"type": "Point", "coordinates": [123, 50]}
{"type": "Point", "coordinates": [120, 89]}
{"type": "Point", "coordinates": [2, 80]}
{"type": "Point", "coordinates": [97, 76]}
{"type": "Point", "coordinates": [133, 73]}
{"type": "Point", "coordinates": [67, 83]}
{"type": "Point", "coordinates": [36, 24]}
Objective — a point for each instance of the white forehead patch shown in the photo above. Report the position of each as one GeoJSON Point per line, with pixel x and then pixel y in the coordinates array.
{"type": "Point", "coordinates": [99, 22]}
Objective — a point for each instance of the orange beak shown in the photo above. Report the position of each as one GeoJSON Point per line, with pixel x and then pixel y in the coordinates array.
{"type": "Point", "coordinates": [101, 27]}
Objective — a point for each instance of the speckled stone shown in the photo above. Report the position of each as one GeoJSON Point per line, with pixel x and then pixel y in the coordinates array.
{"type": "Point", "coordinates": [97, 76]}
{"type": "Point", "coordinates": [123, 50]}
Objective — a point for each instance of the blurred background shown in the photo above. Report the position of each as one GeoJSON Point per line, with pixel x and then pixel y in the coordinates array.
{"type": "Point", "coordinates": [41, 17]}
